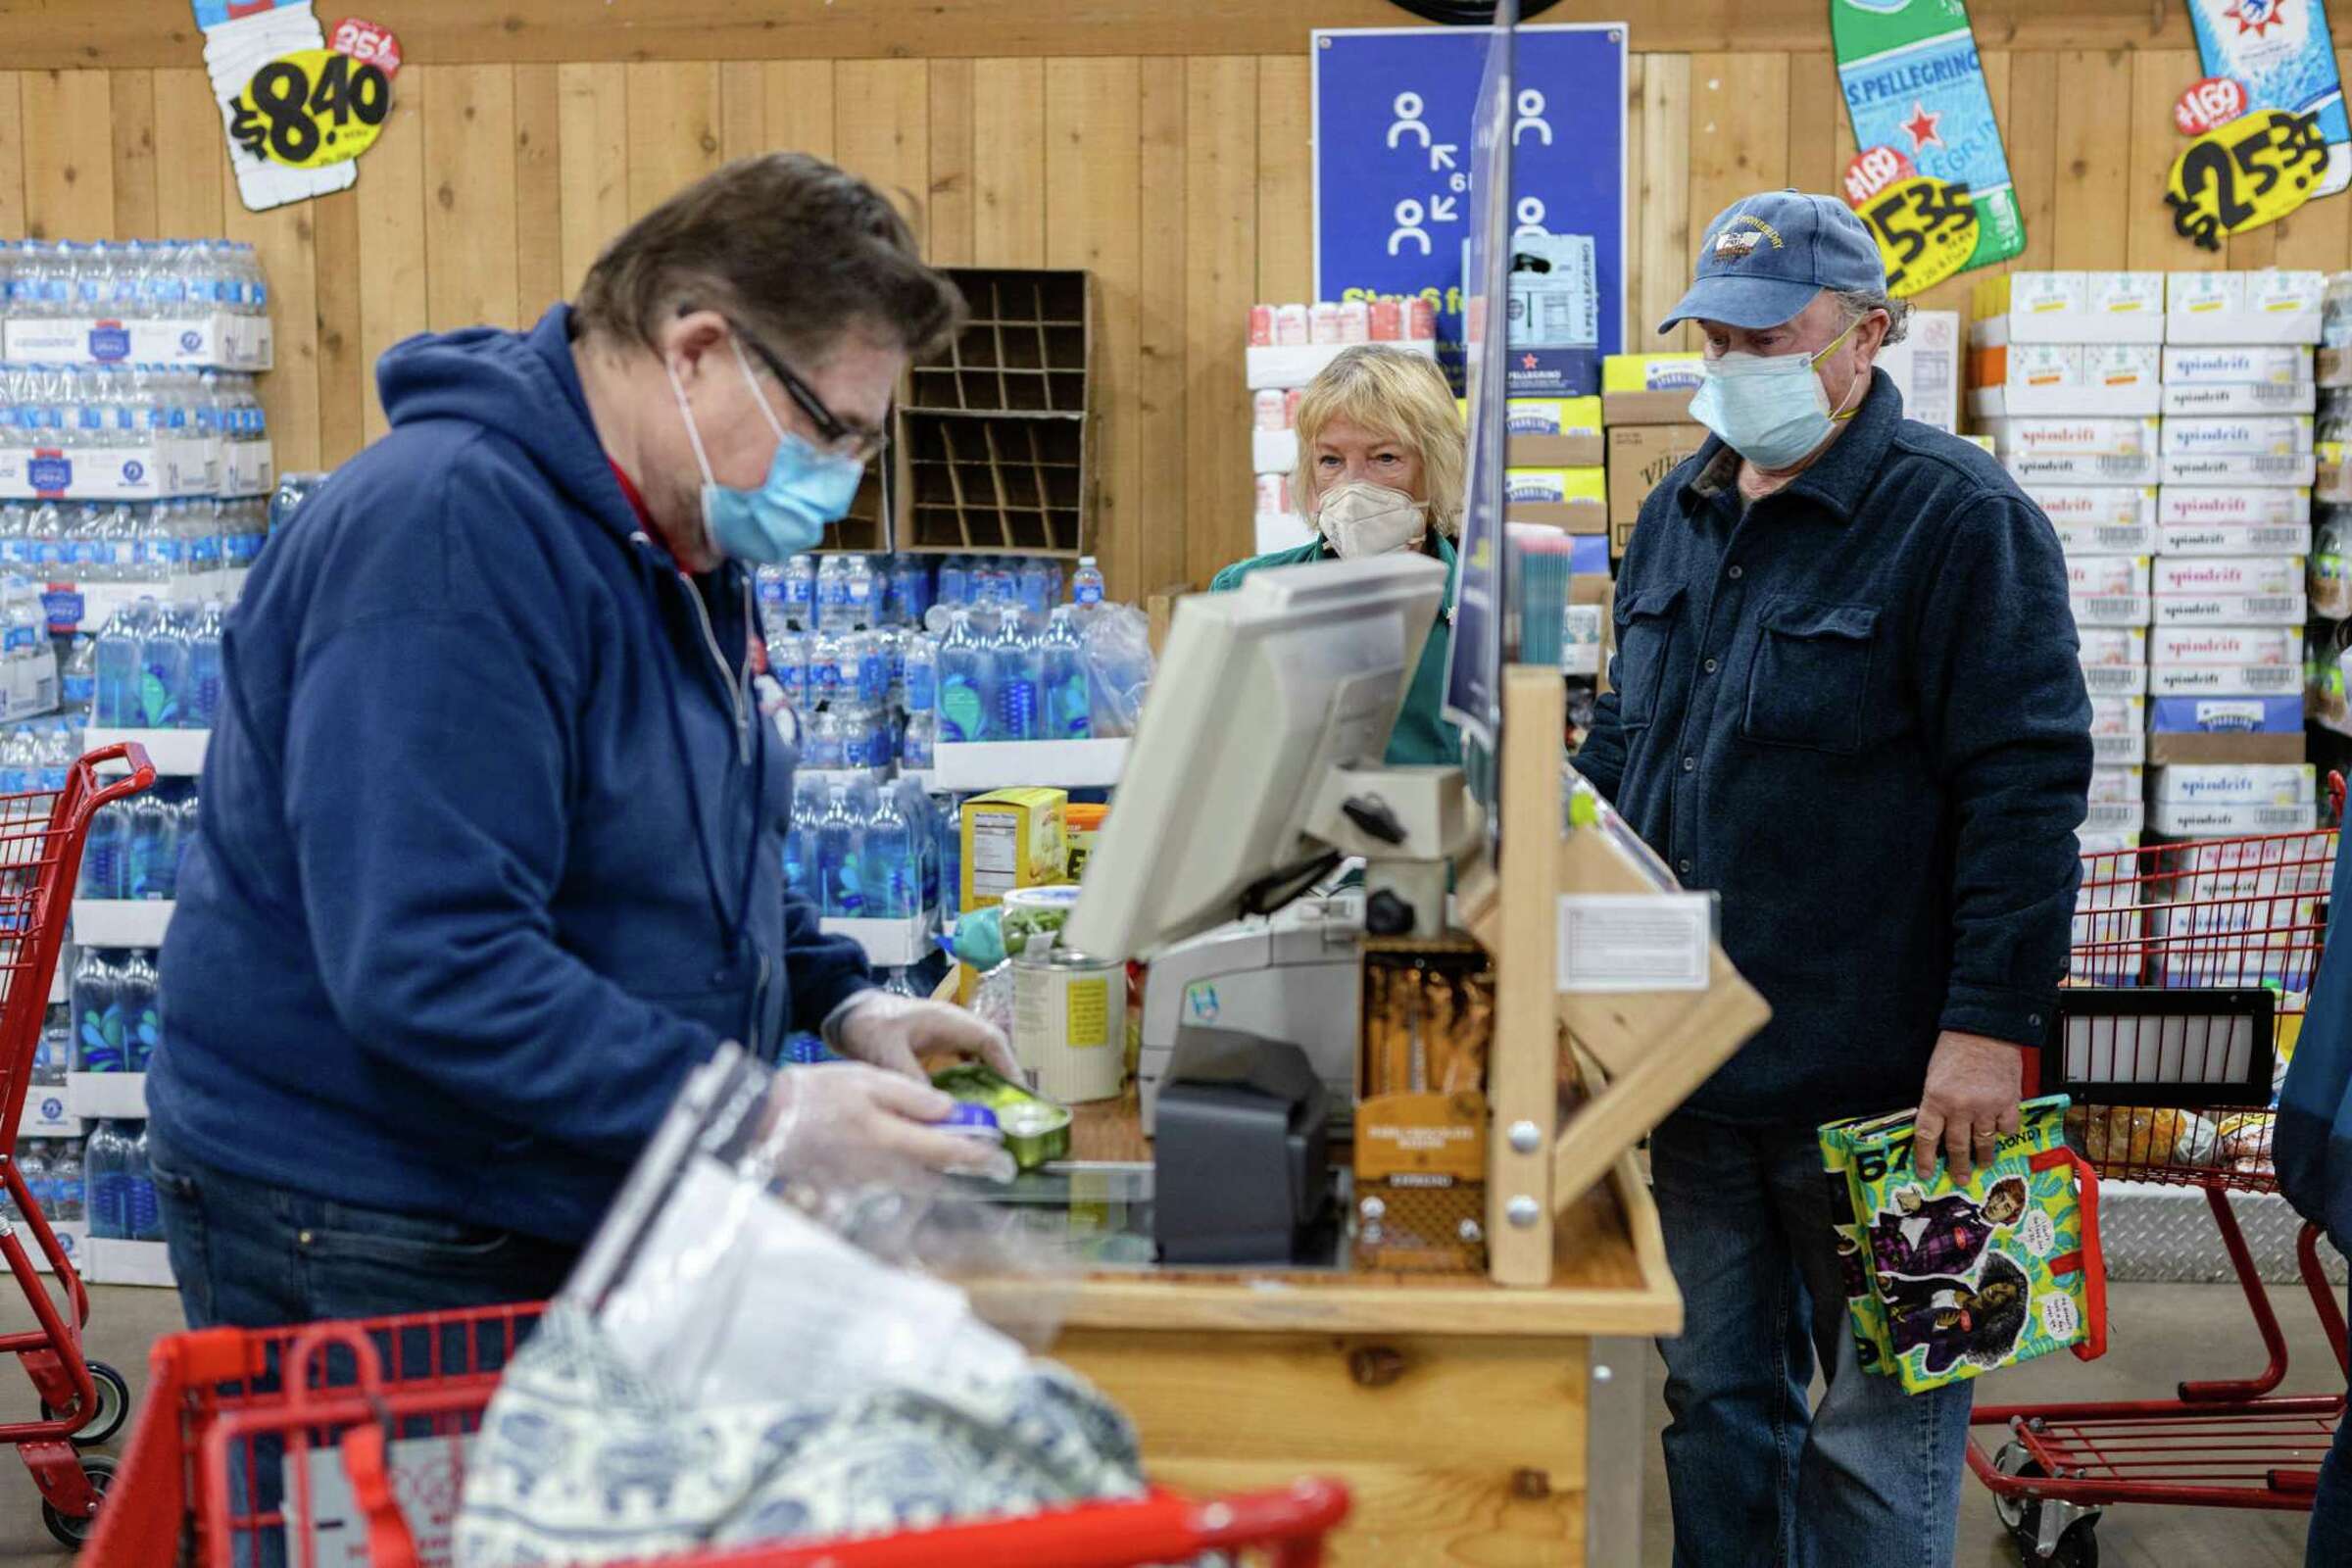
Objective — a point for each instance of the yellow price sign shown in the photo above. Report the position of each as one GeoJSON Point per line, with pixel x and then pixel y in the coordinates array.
{"type": "Point", "coordinates": [2243, 173]}
{"type": "Point", "coordinates": [310, 109]}
{"type": "Point", "coordinates": [1925, 228]}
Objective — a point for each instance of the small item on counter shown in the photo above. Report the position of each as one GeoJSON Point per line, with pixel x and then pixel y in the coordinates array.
{"type": "Point", "coordinates": [976, 1122]}
{"type": "Point", "coordinates": [1428, 1018]}
{"type": "Point", "coordinates": [1083, 822]}
{"type": "Point", "coordinates": [1035, 1130]}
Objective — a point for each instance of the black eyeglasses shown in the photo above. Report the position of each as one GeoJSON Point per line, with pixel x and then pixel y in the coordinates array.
{"type": "Point", "coordinates": [838, 437]}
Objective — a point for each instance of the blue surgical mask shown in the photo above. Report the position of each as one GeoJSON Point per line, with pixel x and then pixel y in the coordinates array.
{"type": "Point", "coordinates": [1771, 410]}
{"type": "Point", "coordinates": [804, 491]}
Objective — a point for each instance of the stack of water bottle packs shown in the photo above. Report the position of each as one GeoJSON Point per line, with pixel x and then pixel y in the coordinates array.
{"type": "Point", "coordinates": [137, 844]}
{"type": "Point", "coordinates": [101, 1182]}
{"type": "Point", "coordinates": [184, 302]}
{"type": "Point", "coordinates": [186, 547]}
{"type": "Point", "coordinates": [155, 665]}
{"type": "Point", "coordinates": [131, 432]}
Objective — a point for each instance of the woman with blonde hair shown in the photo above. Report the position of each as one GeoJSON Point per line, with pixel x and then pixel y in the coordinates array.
{"type": "Point", "coordinates": [1381, 460]}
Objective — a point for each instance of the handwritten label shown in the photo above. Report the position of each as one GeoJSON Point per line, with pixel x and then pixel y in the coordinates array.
{"type": "Point", "coordinates": [311, 109]}
{"type": "Point", "coordinates": [1927, 231]}
{"type": "Point", "coordinates": [2240, 175]}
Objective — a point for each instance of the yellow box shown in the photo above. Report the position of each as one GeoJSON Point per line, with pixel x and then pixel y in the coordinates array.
{"type": "Point", "coordinates": [1651, 373]}
{"type": "Point", "coordinates": [1555, 485]}
{"type": "Point", "coordinates": [1013, 839]}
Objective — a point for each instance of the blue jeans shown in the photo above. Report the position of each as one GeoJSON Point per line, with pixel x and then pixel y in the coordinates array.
{"type": "Point", "coordinates": [2331, 1508]}
{"type": "Point", "coordinates": [1871, 1478]}
{"type": "Point", "coordinates": [252, 1256]}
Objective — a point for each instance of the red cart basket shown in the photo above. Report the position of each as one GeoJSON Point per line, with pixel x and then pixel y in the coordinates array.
{"type": "Point", "coordinates": [228, 1410]}
{"type": "Point", "coordinates": [2190, 961]}
{"type": "Point", "coordinates": [82, 1401]}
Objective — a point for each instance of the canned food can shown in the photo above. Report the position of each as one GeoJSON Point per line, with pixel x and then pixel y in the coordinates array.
{"type": "Point", "coordinates": [1290, 325]}
{"type": "Point", "coordinates": [1269, 410]}
{"type": "Point", "coordinates": [1355, 321]}
{"type": "Point", "coordinates": [1069, 1023]}
{"type": "Point", "coordinates": [1270, 496]}
{"type": "Point", "coordinates": [1421, 319]}
{"type": "Point", "coordinates": [1261, 326]}
{"type": "Point", "coordinates": [1290, 407]}
{"type": "Point", "coordinates": [1323, 324]}
{"type": "Point", "coordinates": [1387, 319]}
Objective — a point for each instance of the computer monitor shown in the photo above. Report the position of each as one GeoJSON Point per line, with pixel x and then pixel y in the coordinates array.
{"type": "Point", "coordinates": [1261, 692]}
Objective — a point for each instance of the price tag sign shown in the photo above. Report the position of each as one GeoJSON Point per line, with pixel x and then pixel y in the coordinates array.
{"type": "Point", "coordinates": [1925, 228]}
{"type": "Point", "coordinates": [1871, 170]}
{"type": "Point", "coordinates": [312, 108]}
{"type": "Point", "coordinates": [2214, 101]}
{"type": "Point", "coordinates": [2242, 175]}
{"type": "Point", "coordinates": [367, 42]}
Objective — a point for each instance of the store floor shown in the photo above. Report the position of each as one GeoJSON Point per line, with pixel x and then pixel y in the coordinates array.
{"type": "Point", "coordinates": [2162, 1334]}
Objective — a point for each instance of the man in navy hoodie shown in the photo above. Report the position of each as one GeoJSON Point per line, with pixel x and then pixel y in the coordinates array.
{"type": "Point", "coordinates": [492, 843]}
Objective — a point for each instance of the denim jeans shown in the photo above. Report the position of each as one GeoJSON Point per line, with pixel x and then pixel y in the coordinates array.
{"type": "Point", "coordinates": [1757, 1475]}
{"type": "Point", "coordinates": [252, 1256]}
{"type": "Point", "coordinates": [2331, 1508]}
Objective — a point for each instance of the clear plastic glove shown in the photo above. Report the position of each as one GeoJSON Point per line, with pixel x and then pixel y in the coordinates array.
{"type": "Point", "coordinates": [892, 1032]}
{"type": "Point", "coordinates": [843, 1118]}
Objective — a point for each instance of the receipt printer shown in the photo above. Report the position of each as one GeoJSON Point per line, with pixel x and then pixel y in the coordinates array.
{"type": "Point", "coordinates": [1241, 1171]}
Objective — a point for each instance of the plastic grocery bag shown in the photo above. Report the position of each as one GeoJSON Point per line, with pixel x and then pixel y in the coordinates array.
{"type": "Point", "coordinates": [762, 1343]}
{"type": "Point", "coordinates": [1120, 663]}
{"type": "Point", "coordinates": [1947, 1280]}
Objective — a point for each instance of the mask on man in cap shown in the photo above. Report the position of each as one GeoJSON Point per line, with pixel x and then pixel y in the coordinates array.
{"type": "Point", "coordinates": [1765, 259]}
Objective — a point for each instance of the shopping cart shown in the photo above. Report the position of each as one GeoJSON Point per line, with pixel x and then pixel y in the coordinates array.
{"type": "Point", "coordinates": [2192, 963]}
{"type": "Point", "coordinates": [365, 1422]}
{"type": "Point", "coordinates": [82, 1401]}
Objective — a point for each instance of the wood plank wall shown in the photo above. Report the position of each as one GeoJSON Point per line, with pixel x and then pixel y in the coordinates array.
{"type": "Point", "coordinates": [1182, 182]}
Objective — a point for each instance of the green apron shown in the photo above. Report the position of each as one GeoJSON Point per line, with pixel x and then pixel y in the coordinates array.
{"type": "Point", "coordinates": [1420, 736]}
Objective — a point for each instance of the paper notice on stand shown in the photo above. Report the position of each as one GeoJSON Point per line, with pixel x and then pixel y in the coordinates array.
{"type": "Point", "coordinates": [1636, 941]}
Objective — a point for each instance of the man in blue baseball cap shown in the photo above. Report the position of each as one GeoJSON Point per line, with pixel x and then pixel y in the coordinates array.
{"type": "Point", "coordinates": [1847, 698]}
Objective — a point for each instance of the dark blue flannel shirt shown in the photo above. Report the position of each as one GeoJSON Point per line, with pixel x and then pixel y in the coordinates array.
{"type": "Point", "coordinates": [1856, 710]}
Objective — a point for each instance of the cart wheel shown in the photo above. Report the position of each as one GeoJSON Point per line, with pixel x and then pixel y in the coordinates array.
{"type": "Point", "coordinates": [2078, 1546]}
{"type": "Point", "coordinates": [114, 1405]}
{"type": "Point", "coordinates": [76, 1532]}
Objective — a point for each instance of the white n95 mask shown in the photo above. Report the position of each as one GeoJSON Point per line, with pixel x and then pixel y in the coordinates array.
{"type": "Point", "coordinates": [1361, 518]}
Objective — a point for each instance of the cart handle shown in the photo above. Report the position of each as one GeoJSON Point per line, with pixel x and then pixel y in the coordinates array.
{"type": "Point", "coordinates": [141, 777]}
{"type": "Point", "coordinates": [2091, 1259]}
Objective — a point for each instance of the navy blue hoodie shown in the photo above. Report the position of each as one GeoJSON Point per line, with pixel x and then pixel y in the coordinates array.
{"type": "Point", "coordinates": [492, 832]}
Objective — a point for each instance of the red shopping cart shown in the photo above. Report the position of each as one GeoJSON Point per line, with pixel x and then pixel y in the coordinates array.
{"type": "Point", "coordinates": [365, 1422]}
{"type": "Point", "coordinates": [82, 1401]}
{"type": "Point", "coordinates": [2190, 965]}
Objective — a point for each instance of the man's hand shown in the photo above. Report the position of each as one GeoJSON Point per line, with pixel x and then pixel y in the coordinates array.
{"type": "Point", "coordinates": [1971, 1099]}
{"type": "Point", "coordinates": [892, 1032]}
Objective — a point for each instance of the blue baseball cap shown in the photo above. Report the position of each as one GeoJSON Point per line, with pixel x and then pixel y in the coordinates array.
{"type": "Point", "coordinates": [1766, 256]}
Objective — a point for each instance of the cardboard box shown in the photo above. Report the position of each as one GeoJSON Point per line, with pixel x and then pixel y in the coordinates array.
{"type": "Point", "coordinates": [2118, 731]}
{"type": "Point", "coordinates": [1554, 433]}
{"type": "Point", "coordinates": [2248, 469]}
{"type": "Point", "coordinates": [2228, 715]}
{"type": "Point", "coordinates": [2109, 785]}
{"type": "Point", "coordinates": [2232, 610]}
{"type": "Point", "coordinates": [2114, 660]}
{"type": "Point", "coordinates": [2069, 307]}
{"type": "Point", "coordinates": [1553, 296]}
{"type": "Point", "coordinates": [2115, 817]}
{"type": "Point", "coordinates": [2302, 397]}
{"type": "Point", "coordinates": [1013, 839]}
{"type": "Point", "coordinates": [2225, 746]}
{"type": "Point", "coordinates": [2107, 576]}
{"type": "Point", "coordinates": [217, 341]}
{"type": "Point", "coordinates": [2276, 784]}
{"type": "Point", "coordinates": [2253, 435]}
{"type": "Point", "coordinates": [1649, 388]}
{"type": "Point", "coordinates": [2272, 306]}
{"type": "Point", "coordinates": [2112, 609]}
{"type": "Point", "coordinates": [2083, 451]}
{"type": "Point", "coordinates": [1283, 365]}
{"type": "Point", "coordinates": [2227, 645]}
{"type": "Point", "coordinates": [1640, 455]}
{"type": "Point", "coordinates": [1925, 368]}
{"type": "Point", "coordinates": [2177, 820]}
{"type": "Point", "coordinates": [1572, 499]}
{"type": "Point", "coordinates": [2238, 365]}
{"type": "Point", "coordinates": [2228, 574]}
{"type": "Point", "coordinates": [2224, 680]}
{"type": "Point", "coordinates": [2039, 379]}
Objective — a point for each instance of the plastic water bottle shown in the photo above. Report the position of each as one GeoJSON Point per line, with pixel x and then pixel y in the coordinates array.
{"type": "Point", "coordinates": [1061, 661]}
{"type": "Point", "coordinates": [863, 603]}
{"type": "Point", "coordinates": [116, 701]}
{"type": "Point", "coordinates": [767, 586]}
{"type": "Point", "coordinates": [20, 763]}
{"type": "Point", "coordinates": [821, 749]}
{"type": "Point", "coordinates": [919, 743]}
{"type": "Point", "coordinates": [95, 996]}
{"type": "Point", "coordinates": [840, 856]}
{"type": "Point", "coordinates": [832, 595]}
{"type": "Point", "coordinates": [46, 537]}
{"type": "Point", "coordinates": [1119, 681]}
{"type": "Point", "coordinates": [873, 666]}
{"type": "Point", "coordinates": [59, 751]}
{"type": "Point", "coordinates": [142, 1021]}
{"type": "Point", "coordinates": [106, 852]}
{"type": "Point", "coordinates": [799, 843]}
{"type": "Point", "coordinates": [154, 848]}
{"type": "Point", "coordinates": [891, 876]}
{"type": "Point", "coordinates": [66, 1180]}
{"type": "Point", "coordinates": [922, 672]}
{"type": "Point", "coordinates": [954, 582]}
{"type": "Point", "coordinates": [203, 705]}
{"type": "Point", "coordinates": [950, 862]}
{"type": "Point", "coordinates": [77, 682]}
{"type": "Point", "coordinates": [1086, 583]}
{"type": "Point", "coordinates": [146, 1210]}
{"type": "Point", "coordinates": [967, 684]}
{"type": "Point", "coordinates": [185, 838]}
{"type": "Point", "coordinates": [162, 668]}
{"type": "Point", "coordinates": [32, 1165]}
{"type": "Point", "coordinates": [910, 589]}
{"type": "Point", "coordinates": [108, 1164]}
{"type": "Point", "coordinates": [1033, 585]}
{"type": "Point", "coordinates": [57, 1048]}
{"type": "Point", "coordinates": [788, 661]}
{"type": "Point", "coordinates": [800, 593]}
{"type": "Point", "coordinates": [1015, 657]}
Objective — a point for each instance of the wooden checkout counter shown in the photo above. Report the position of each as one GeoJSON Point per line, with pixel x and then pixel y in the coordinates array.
{"type": "Point", "coordinates": [1498, 1422]}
